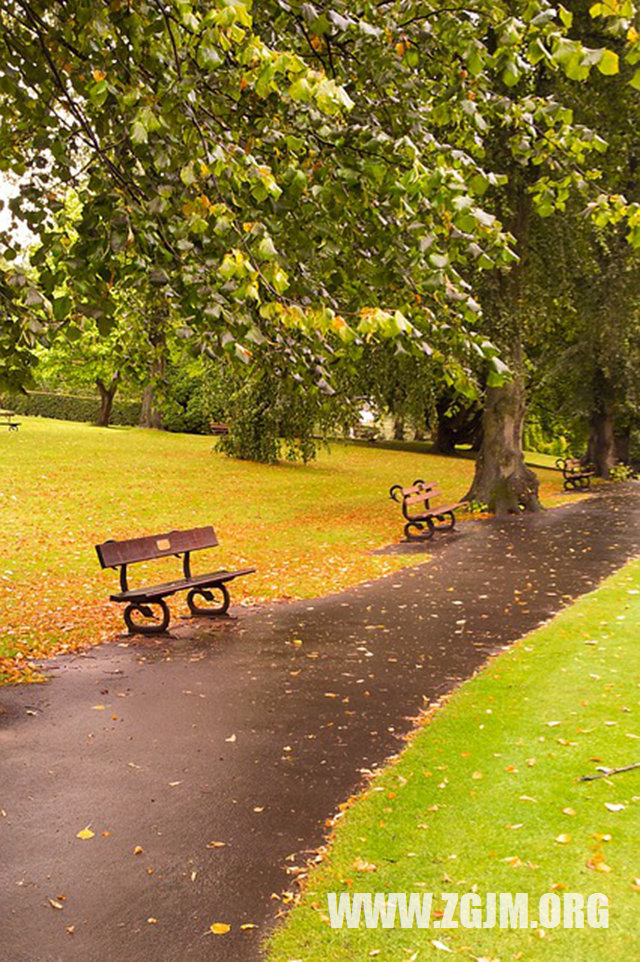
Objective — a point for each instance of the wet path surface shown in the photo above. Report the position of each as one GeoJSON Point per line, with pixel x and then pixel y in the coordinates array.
{"type": "Point", "coordinates": [241, 735]}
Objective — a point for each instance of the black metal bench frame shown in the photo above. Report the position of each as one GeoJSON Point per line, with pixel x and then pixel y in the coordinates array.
{"type": "Point", "coordinates": [121, 554]}
{"type": "Point", "coordinates": [577, 476]}
{"type": "Point", "coordinates": [421, 524]}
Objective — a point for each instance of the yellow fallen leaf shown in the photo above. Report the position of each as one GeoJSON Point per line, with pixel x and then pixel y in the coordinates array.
{"type": "Point", "coordinates": [562, 839]}
{"type": "Point", "coordinates": [216, 844]}
{"type": "Point", "coordinates": [138, 850]}
{"type": "Point", "coordinates": [220, 928]}
{"type": "Point", "coordinates": [297, 642]}
{"type": "Point", "coordinates": [55, 905]}
{"type": "Point", "coordinates": [361, 866]}
{"type": "Point", "coordinates": [152, 921]}
{"type": "Point", "coordinates": [568, 811]}
{"type": "Point", "coordinates": [98, 708]}
{"type": "Point", "coordinates": [85, 833]}
{"type": "Point", "coordinates": [477, 775]}
{"type": "Point", "coordinates": [248, 925]}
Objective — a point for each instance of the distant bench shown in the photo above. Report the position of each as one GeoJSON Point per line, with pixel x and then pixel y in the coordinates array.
{"type": "Point", "coordinates": [7, 420]}
{"type": "Point", "coordinates": [120, 554]}
{"type": "Point", "coordinates": [218, 430]}
{"type": "Point", "coordinates": [420, 516]}
{"type": "Point", "coordinates": [577, 475]}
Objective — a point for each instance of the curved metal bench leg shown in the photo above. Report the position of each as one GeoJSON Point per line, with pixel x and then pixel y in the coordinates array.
{"type": "Point", "coordinates": [146, 610]}
{"type": "Point", "coordinates": [445, 525]}
{"type": "Point", "coordinates": [420, 533]}
{"type": "Point", "coordinates": [207, 594]}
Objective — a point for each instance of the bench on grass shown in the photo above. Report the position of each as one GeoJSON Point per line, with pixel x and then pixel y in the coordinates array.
{"type": "Point", "coordinates": [120, 554]}
{"type": "Point", "coordinates": [576, 474]}
{"type": "Point", "coordinates": [218, 430]}
{"type": "Point", "coordinates": [7, 420]}
{"type": "Point", "coordinates": [422, 519]}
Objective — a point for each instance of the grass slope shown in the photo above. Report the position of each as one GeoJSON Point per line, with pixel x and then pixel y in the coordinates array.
{"type": "Point", "coordinates": [486, 798]}
{"type": "Point", "coordinates": [309, 530]}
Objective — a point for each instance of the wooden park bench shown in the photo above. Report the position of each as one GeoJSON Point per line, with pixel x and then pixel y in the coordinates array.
{"type": "Point", "coordinates": [218, 430]}
{"type": "Point", "coordinates": [120, 554]}
{"type": "Point", "coordinates": [577, 475]}
{"type": "Point", "coordinates": [423, 519]}
{"type": "Point", "coordinates": [7, 420]}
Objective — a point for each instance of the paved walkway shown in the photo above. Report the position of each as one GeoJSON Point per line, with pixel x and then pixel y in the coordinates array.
{"type": "Point", "coordinates": [242, 735]}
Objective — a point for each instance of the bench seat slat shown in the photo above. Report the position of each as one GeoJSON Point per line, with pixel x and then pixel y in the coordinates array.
{"type": "Point", "coordinates": [423, 496]}
{"type": "Point", "coordinates": [440, 509]}
{"type": "Point", "coordinates": [171, 587]}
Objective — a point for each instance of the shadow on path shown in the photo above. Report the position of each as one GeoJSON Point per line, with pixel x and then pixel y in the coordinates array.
{"type": "Point", "coordinates": [238, 735]}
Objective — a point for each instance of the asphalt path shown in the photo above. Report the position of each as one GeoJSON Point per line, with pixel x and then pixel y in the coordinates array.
{"type": "Point", "coordinates": [207, 764]}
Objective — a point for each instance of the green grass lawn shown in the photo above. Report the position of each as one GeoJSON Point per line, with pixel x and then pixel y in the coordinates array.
{"type": "Point", "coordinates": [486, 798]}
{"type": "Point", "coordinates": [308, 529]}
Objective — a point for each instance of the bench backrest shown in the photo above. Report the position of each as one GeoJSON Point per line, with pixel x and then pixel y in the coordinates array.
{"type": "Point", "coordinates": [114, 553]}
{"type": "Point", "coordinates": [423, 487]}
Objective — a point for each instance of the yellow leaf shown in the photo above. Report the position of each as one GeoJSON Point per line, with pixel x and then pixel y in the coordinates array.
{"type": "Point", "coordinates": [568, 811]}
{"type": "Point", "coordinates": [361, 866]}
{"type": "Point", "coordinates": [220, 928]}
{"type": "Point", "coordinates": [563, 839]}
{"type": "Point", "coordinates": [216, 844]}
{"type": "Point", "coordinates": [152, 921]}
{"type": "Point", "coordinates": [85, 833]}
{"type": "Point", "coordinates": [98, 707]}
{"type": "Point", "coordinates": [248, 925]}
{"type": "Point", "coordinates": [138, 850]}
{"type": "Point", "coordinates": [99, 75]}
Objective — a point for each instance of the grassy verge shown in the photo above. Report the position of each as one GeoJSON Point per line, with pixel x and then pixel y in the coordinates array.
{"type": "Point", "coordinates": [308, 529]}
{"type": "Point", "coordinates": [486, 798]}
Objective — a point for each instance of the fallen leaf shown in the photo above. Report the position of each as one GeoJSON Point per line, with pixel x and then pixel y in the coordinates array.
{"type": "Point", "coordinates": [152, 921]}
{"type": "Point", "coordinates": [138, 850]}
{"type": "Point", "coordinates": [220, 928]}
{"type": "Point", "coordinates": [361, 866]}
{"type": "Point", "coordinates": [231, 738]}
{"type": "Point", "coordinates": [55, 905]}
{"type": "Point", "coordinates": [568, 811]}
{"type": "Point", "coordinates": [248, 925]}
{"type": "Point", "coordinates": [440, 945]}
{"type": "Point", "coordinates": [614, 806]}
{"type": "Point", "coordinates": [85, 833]}
{"type": "Point", "coordinates": [216, 844]}
{"type": "Point", "coordinates": [562, 839]}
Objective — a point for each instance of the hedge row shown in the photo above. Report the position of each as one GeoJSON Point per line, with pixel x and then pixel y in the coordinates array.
{"type": "Point", "coordinates": [68, 407]}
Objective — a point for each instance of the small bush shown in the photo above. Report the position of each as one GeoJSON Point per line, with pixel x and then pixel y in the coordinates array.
{"type": "Point", "coordinates": [621, 472]}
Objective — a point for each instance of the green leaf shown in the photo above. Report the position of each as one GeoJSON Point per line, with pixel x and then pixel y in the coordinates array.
{"type": "Point", "coordinates": [609, 63]}
{"type": "Point", "coordinates": [61, 307]}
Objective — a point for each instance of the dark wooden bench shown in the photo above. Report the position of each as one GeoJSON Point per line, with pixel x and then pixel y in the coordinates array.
{"type": "Point", "coordinates": [420, 515]}
{"type": "Point", "coordinates": [577, 475]}
{"type": "Point", "coordinates": [218, 430]}
{"type": "Point", "coordinates": [7, 420]}
{"type": "Point", "coordinates": [120, 554]}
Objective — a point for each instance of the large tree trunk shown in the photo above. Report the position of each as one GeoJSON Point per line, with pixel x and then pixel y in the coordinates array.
{"type": "Point", "coordinates": [398, 428]}
{"type": "Point", "coordinates": [107, 394]}
{"type": "Point", "coordinates": [444, 442]}
{"type": "Point", "coordinates": [601, 451]}
{"type": "Point", "coordinates": [502, 480]}
{"type": "Point", "coordinates": [150, 417]}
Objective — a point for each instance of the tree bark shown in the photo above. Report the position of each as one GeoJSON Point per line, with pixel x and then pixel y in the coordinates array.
{"type": "Point", "coordinates": [398, 428]}
{"type": "Point", "coordinates": [601, 450]}
{"type": "Point", "coordinates": [150, 417]}
{"type": "Point", "coordinates": [502, 480]}
{"type": "Point", "coordinates": [107, 394]}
